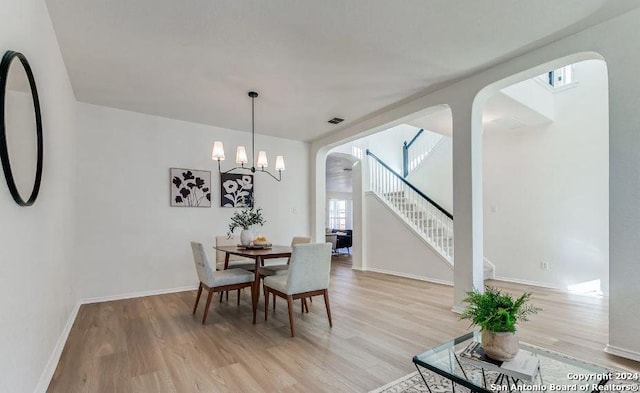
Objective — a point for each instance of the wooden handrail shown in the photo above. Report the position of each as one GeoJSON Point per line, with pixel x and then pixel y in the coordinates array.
{"type": "Point", "coordinates": [402, 179]}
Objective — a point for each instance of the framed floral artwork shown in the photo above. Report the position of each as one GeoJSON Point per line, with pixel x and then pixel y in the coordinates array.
{"type": "Point", "coordinates": [236, 190]}
{"type": "Point", "coordinates": [190, 188]}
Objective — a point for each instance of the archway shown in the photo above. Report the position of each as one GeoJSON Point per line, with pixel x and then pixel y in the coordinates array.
{"type": "Point", "coordinates": [545, 179]}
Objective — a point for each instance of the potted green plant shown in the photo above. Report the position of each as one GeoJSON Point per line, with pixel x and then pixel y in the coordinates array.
{"type": "Point", "coordinates": [245, 219]}
{"type": "Point", "coordinates": [497, 313]}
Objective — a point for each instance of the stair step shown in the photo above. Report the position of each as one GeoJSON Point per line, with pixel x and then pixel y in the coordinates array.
{"type": "Point", "coordinates": [423, 220]}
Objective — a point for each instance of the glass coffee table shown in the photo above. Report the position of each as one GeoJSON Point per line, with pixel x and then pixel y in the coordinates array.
{"type": "Point", "coordinates": [556, 373]}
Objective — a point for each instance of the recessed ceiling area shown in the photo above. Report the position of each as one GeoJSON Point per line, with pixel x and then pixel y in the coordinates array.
{"type": "Point", "coordinates": [340, 172]}
{"type": "Point", "coordinates": [309, 60]}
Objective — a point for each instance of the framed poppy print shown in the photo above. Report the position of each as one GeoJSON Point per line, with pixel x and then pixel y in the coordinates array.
{"type": "Point", "coordinates": [236, 190]}
{"type": "Point", "coordinates": [190, 187]}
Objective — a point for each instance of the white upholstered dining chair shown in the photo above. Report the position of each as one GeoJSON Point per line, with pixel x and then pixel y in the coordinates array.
{"type": "Point", "coordinates": [216, 281]}
{"type": "Point", "coordinates": [269, 270]}
{"type": "Point", "coordinates": [235, 261]}
{"type": "Point", "coordinates": [307, 276]}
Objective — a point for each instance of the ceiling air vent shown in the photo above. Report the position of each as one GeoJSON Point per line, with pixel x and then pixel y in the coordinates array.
{"type": "Point", "coordinates": [336, 120]}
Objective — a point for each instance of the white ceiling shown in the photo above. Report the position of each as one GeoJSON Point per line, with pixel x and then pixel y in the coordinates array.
{"type": "Point", "coordinates": [309, 60]}
{"type": "Point", "coordinates": [340, 172]}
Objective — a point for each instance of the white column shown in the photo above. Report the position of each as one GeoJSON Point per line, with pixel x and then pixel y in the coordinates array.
{"type": "Point", "coordinates": [624, 193]}
{"type": "Point", "coordinates": [317, 184]}
{"type": "Point", "coordinates": [358, 239]}
{"type": "Point", "coordinates": [467, 201]}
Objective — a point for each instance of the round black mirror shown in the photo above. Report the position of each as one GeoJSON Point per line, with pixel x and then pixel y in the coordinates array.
{"type": "Point", "coordinates": [21, 142]}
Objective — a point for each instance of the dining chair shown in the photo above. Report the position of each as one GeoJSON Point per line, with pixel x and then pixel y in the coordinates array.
{"type": "Point", "coordinates": [307, 276]}
{"type": "Point", "coordinates": [217, 280]}
{"type": "Point", "coordinates": [235, 261]}
{"type": "Point", "coordinates": [269, 270]}
{"type": "Point", "coordinates": [332, 238]}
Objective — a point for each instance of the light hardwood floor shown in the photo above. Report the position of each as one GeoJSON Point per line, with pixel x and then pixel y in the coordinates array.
{"type": "Point", "coordinates": [154, 344]}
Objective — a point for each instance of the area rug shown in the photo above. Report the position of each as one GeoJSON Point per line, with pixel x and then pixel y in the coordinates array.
{"type": "Point", "coordinates": [413, 382]}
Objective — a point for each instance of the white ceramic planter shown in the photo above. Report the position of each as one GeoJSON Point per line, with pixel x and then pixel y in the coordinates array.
{"type": "Point", "coordinates": [246, 237]}
{"type": "Point", "coordinates": [500, 345]}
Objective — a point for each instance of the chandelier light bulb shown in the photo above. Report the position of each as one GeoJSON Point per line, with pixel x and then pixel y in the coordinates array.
{"type": "Point", "coordinates": [241, 155]}
{"type": "Point", "coordinates": [262, 160]}
{"type": "Point", "coordinates": [218, 151]}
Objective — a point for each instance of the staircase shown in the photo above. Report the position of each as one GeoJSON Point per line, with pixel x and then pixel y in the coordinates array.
{"type": "Point", "coordinates": [435, 229]}
{"type": "Point", "coordinates": [428, 219]}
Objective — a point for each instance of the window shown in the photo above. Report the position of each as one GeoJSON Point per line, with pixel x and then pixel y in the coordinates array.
{"type": "Point", "coordinates": [339, 214]}
{"type": "Point", "coordinates": [561, 77]}
{"type": "Point", "coordinates": [357, 152]}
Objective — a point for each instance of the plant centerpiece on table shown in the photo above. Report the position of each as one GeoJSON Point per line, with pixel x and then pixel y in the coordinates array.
{"type": "Point", "coordinates": [245, 219]}
{"type": "Point", "coordinates": [497, 314]}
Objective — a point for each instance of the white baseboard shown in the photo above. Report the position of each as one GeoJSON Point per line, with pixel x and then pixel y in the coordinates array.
{"type": "Point", "coordinates": [50, 368]}
{"type": "Point", "coordinates": [458, 309]}
{"type": "Point", "coordinates": [133, 295]}
{"type": "Point", "coordinates": [408, 275]}
{"type": "Point", "coordinates": [527, 282]}
{"type": "Point", "coordinates": [485, 261]}
{"type": "Point", "coordinates": [623, 353]}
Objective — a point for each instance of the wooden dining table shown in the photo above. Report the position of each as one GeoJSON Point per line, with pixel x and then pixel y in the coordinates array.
{"type": "Point", "coordinates": [259, 255]}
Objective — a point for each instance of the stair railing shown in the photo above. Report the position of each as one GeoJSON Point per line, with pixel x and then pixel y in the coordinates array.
{"type": "Point", "coordinates": [416, 150]}
{"type": "Point", "coordinates": [428, 218]}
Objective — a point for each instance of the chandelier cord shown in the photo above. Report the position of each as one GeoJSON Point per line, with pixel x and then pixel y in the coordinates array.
{"type": "Point", "coordinates": [253, 133]}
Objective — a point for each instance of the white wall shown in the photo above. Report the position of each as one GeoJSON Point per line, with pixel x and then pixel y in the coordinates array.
{"type": "Point", "coordinates": [434, 176]}
{"type": "Point", "coordinates": [387, 144]}
{"type": "Point", "coordinates": [37, 290]}
{"type": "Point", "coordinates": [613, 41]}
{"type": "Point", "coordinates": [129, 238]}
{"type": "Point", "coordinates": [533, 95]}
{"type": "Point", "coordinates": [392, 248]}
{"type": "Point", "coordinates": [545, 189]}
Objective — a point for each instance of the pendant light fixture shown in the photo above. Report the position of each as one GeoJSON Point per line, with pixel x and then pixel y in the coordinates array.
{"type": "Point", "coordinates": [260, 164]}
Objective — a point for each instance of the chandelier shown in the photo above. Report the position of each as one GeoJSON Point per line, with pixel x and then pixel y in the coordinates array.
{"type": "Point", "coordinates": [241, 153]}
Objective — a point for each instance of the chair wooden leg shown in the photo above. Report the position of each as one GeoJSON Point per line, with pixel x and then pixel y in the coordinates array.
{"type": "Point", "coordinates": [302, 306]}
{"type": "Point", "coordinates": [197, 298]}
{"type": "Point", "coordinates": [290, 305]}
{"type": "Point", "coordinates": [238, 297]}
{"type": "Point", "coordinates": [221, 295]}
{"type": "Point", "coordinates": [306, 305]}
{"type": "Point", "coordinates": [326, 303]}
{"type": "Point", "coordinates": [206, 309]}
{"type": "Point", "coordinates": [274, 302]}
{"type": "Point", "coordinates": [227, 296]}
{"type": "Point", "coordinates": [266, 302]}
